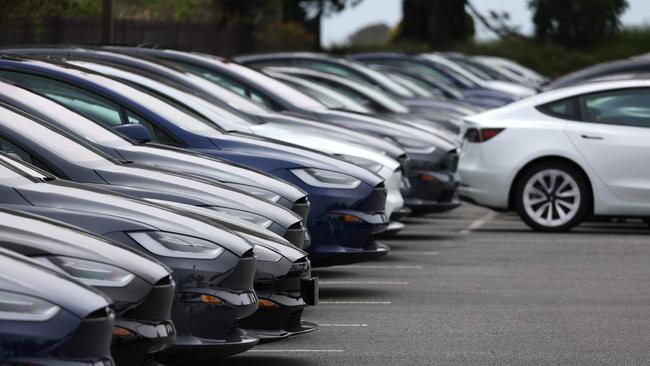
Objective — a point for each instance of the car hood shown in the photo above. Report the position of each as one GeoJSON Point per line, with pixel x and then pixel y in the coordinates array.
{"type": "Point", "coordinates": [32, 235]}
{"type": "Point", "coordinates": [337, 132]}
{"type": "Point", "coordinates": [22, 275]}
{"type": "Point", "coordinates": [153, 183]}
{"type": "Point", "coordinates": [253, 233]}
{"type": "Point", "coordinates": [292, 156]}
{"type": "Point", "coordinates": [195, 164]}
{"type": "Point", "coordinates": [324, 143]}
{"type": "Point", "coordinates": [386, 128]}
{"type": "Point", "coordinates": [75, 197]}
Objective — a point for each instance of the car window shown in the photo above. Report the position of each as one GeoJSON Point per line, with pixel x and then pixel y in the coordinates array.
{"type": "Point", "coordinates": [89, 105]}
{"type": "Point", "coordinates": [156, 134]}
{"type": "Point", "coordinates": [19, 153]}
{"type": "Point", "coordinates": [565, 108]}
{"type": "Point", "coordinates": [629, 107]}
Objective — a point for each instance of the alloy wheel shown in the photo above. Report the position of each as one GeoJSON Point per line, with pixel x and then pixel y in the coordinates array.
{"type": "Point", "coordinates": [551, 197]}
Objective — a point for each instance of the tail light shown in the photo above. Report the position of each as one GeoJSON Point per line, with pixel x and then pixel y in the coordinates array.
{"type": "Point", "coordinates": [481, 134]}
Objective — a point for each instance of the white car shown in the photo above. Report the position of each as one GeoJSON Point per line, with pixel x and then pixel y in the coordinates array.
{"type": "Point", "coordinates": [562, 155]}
{"type": "Point", "coordinates": [513, 69]}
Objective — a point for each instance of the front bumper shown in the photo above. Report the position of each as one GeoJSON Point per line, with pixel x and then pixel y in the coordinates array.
{"type": "Point", "coordinates": [332, 255]}
{"type": "Point", "coordinates": [192, 349]}
{"type": "Point", "coordinates": [46, 361]}
{"type": "Point", "coordinates": [432, 191]}
{"type": "Point", "coordinates": [393, 228]}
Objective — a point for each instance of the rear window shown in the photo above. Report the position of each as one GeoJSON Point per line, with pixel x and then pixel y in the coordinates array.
{"type": "Point", "coordinates": [565, 109]}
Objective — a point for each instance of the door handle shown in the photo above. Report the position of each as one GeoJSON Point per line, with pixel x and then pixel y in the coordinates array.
{"type": "Point", "coordinates": [591, 137]}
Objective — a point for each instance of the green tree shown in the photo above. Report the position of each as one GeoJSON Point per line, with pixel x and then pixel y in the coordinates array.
{"type": "Point", "coordinates": [576, 23]}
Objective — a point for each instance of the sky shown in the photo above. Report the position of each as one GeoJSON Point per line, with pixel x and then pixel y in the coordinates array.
{"type": "Point", "coordinates": [336, 28]}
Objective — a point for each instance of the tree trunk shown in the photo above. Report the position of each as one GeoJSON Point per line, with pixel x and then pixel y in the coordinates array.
{"type": "Point", "coordinates": [440, 23]}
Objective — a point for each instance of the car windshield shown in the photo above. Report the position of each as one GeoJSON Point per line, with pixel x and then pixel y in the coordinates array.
{"type": "Point", "coordinates": [328, 97]}
{"type": "Point", "coordinates": [223, 118]}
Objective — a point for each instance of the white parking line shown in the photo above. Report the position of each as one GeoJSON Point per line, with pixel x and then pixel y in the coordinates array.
{"type": "Point", "coordinates": [478, 223]}
{"type": "Point", "coordinates": [363, 283]}
{"type": "Point", "coordinates": [414, 253]}
{"type": "Point", "coordinates": [355, 302]}
{"type": "Point", "coordinates": [350, 266]}
{"type": "Point", "coordinates": [344, 325]}
{"type": "Point", "coordinates": [297, 350]}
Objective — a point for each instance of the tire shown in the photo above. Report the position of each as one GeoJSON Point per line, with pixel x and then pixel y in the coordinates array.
{"type": "Point", "coordinates": [554, 185]}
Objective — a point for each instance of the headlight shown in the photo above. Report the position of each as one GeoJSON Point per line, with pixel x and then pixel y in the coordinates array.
{"type": "Point", "coordinates": [273, 197]}
{"type": "Point", "coordinates": [326, 178]}
{"type": "Point", "coordinates": [373, 166]}
{"type": "Point", "coordinates": [25, 308]}
{"type": "Point", "coordinates": [265, 254]}
{"type": "Point", "coordinates": [176, 245]}
{"type": "Point", "coordinates": [413, 147]}
{"type": "Point", "coordinates": [250, 217]}
{"type": "Point", "coordinates": [92, 273]}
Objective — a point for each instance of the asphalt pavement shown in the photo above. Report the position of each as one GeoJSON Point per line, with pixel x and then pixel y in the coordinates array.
{"type": "Point", "coordinates": [474, 287]}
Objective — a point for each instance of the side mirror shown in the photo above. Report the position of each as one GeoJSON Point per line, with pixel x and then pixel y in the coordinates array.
{"type": "Point", "coordinates": [134, 131]}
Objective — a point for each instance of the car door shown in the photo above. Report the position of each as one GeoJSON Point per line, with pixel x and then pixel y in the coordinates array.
{"type": "Point", "coordinates": [612, 134]}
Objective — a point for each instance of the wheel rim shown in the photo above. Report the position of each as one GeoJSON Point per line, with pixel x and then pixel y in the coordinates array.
{"type": "Point", "coordinates": [551, 198]}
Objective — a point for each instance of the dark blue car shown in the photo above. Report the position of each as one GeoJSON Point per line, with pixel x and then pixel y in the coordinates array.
{"type": "Point", "coordinates": [46, 318]}
{"type": "Point", "coordinates": [347, 201]}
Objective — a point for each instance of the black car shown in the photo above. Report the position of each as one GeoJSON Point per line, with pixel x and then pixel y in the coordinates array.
{"type": "Point", "coordinates": [347, 201]}
{"type": "Point", "coordinates": [67, 157]}
{"type": "Point", "coordinates": [47, 318]}
{"type": "Point", "coordinates": [213, 268]}
{"type": "Point", "coordinates": [141, 288]}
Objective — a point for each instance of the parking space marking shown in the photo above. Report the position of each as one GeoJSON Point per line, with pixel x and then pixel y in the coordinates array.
{"type": "Point", "coordinates": [414, 253]}
{"type": "Point", "coordinates": [479, 222]}
{"type": "Point", "coordinates": [344, 325]}
{"type": "Point", "coordinates": [326, 302]}
{"type": "Point", "coordinates": [350, 266]}
{"type": "Point", "coordinates": [363, 283]}
{"type": "Point", "coordinates": [297, 350]}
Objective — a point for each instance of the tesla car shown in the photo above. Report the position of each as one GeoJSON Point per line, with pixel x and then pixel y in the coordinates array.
{"type": "Point", "coordinates": [639, 64]}
{"type": "Point", "coordinates": [428, 153]}
{"type": "Point", "coordinates": [348, 201]}
{"type": "Point", "coordinates": [445, 123]}
{"type": "Point", "coordinates": [562, 155]}
{"type": "Point", "coordinates": [46, 318]}
{"type": "Point", "coordinates": [421, 65]}
{"type": "Point", "coordinates": [164, 157]}
{"type": "Point", "coordinates": [66, 157]}
{"type": "Point", "coordinates": [141, 289]}
{"type": "Point", "coordinates": [515, 69]}
{"type": "Point", "coordinates": [213, 268]}
{"type": "Point", "coordinates": [289, 129]}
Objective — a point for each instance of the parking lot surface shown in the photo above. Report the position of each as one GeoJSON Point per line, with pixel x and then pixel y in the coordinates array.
{"type": "Point", "coordinates": [476, 287]}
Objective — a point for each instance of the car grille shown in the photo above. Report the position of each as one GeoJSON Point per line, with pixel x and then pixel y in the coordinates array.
{"type": "Point", "coordinates": [294, 320]}
{"type": "Point", "coordinates": [301, 207]}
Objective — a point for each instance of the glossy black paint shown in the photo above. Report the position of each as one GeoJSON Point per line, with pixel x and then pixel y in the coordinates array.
{"type": "Point", "coordinates": [78, 334]}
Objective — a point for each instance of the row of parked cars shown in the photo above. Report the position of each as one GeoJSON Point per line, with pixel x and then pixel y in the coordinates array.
{"type": "Point", "coordinates": [168, 206]}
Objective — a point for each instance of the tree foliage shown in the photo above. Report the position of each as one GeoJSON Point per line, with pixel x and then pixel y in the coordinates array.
{"type": "Point", "coordinates": [576, 23]}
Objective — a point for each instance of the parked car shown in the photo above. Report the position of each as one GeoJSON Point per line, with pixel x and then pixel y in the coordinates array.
{"type": "Point", "coordinates": [142, 289]}
{"type": "Point", "coordinates": [445, 123]}
{"type": "Point", "coordinates": [213, 268]}
{"type": "Point", "coordinates": [427, 152]}
{"type": "Point", "coordinates": [47, 318]}
{"type": "Point", "coordinates": [163, 157]}
{"type": "Point", "coordinates": [67, 157]}
{"type": "Point", "coordinates": [635, 65]}
{"type": "Point", "coordinates": [426, 67]}
{"type": "Point", "coordinates": [563, 155]}
{"type": "Point", "coordinates": [347, 201]}
{"type": "Point", "coordinates": [289, 129]}
{"type": "Point", "coordinates": [514, 68]}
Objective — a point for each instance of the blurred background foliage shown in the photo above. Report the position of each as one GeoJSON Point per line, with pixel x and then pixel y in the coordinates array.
{"type": "Point", "coordinates": [569, 34]}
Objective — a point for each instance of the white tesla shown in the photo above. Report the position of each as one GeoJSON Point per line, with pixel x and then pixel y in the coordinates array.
{"type": "Point", "coordinates": [562, 155]}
